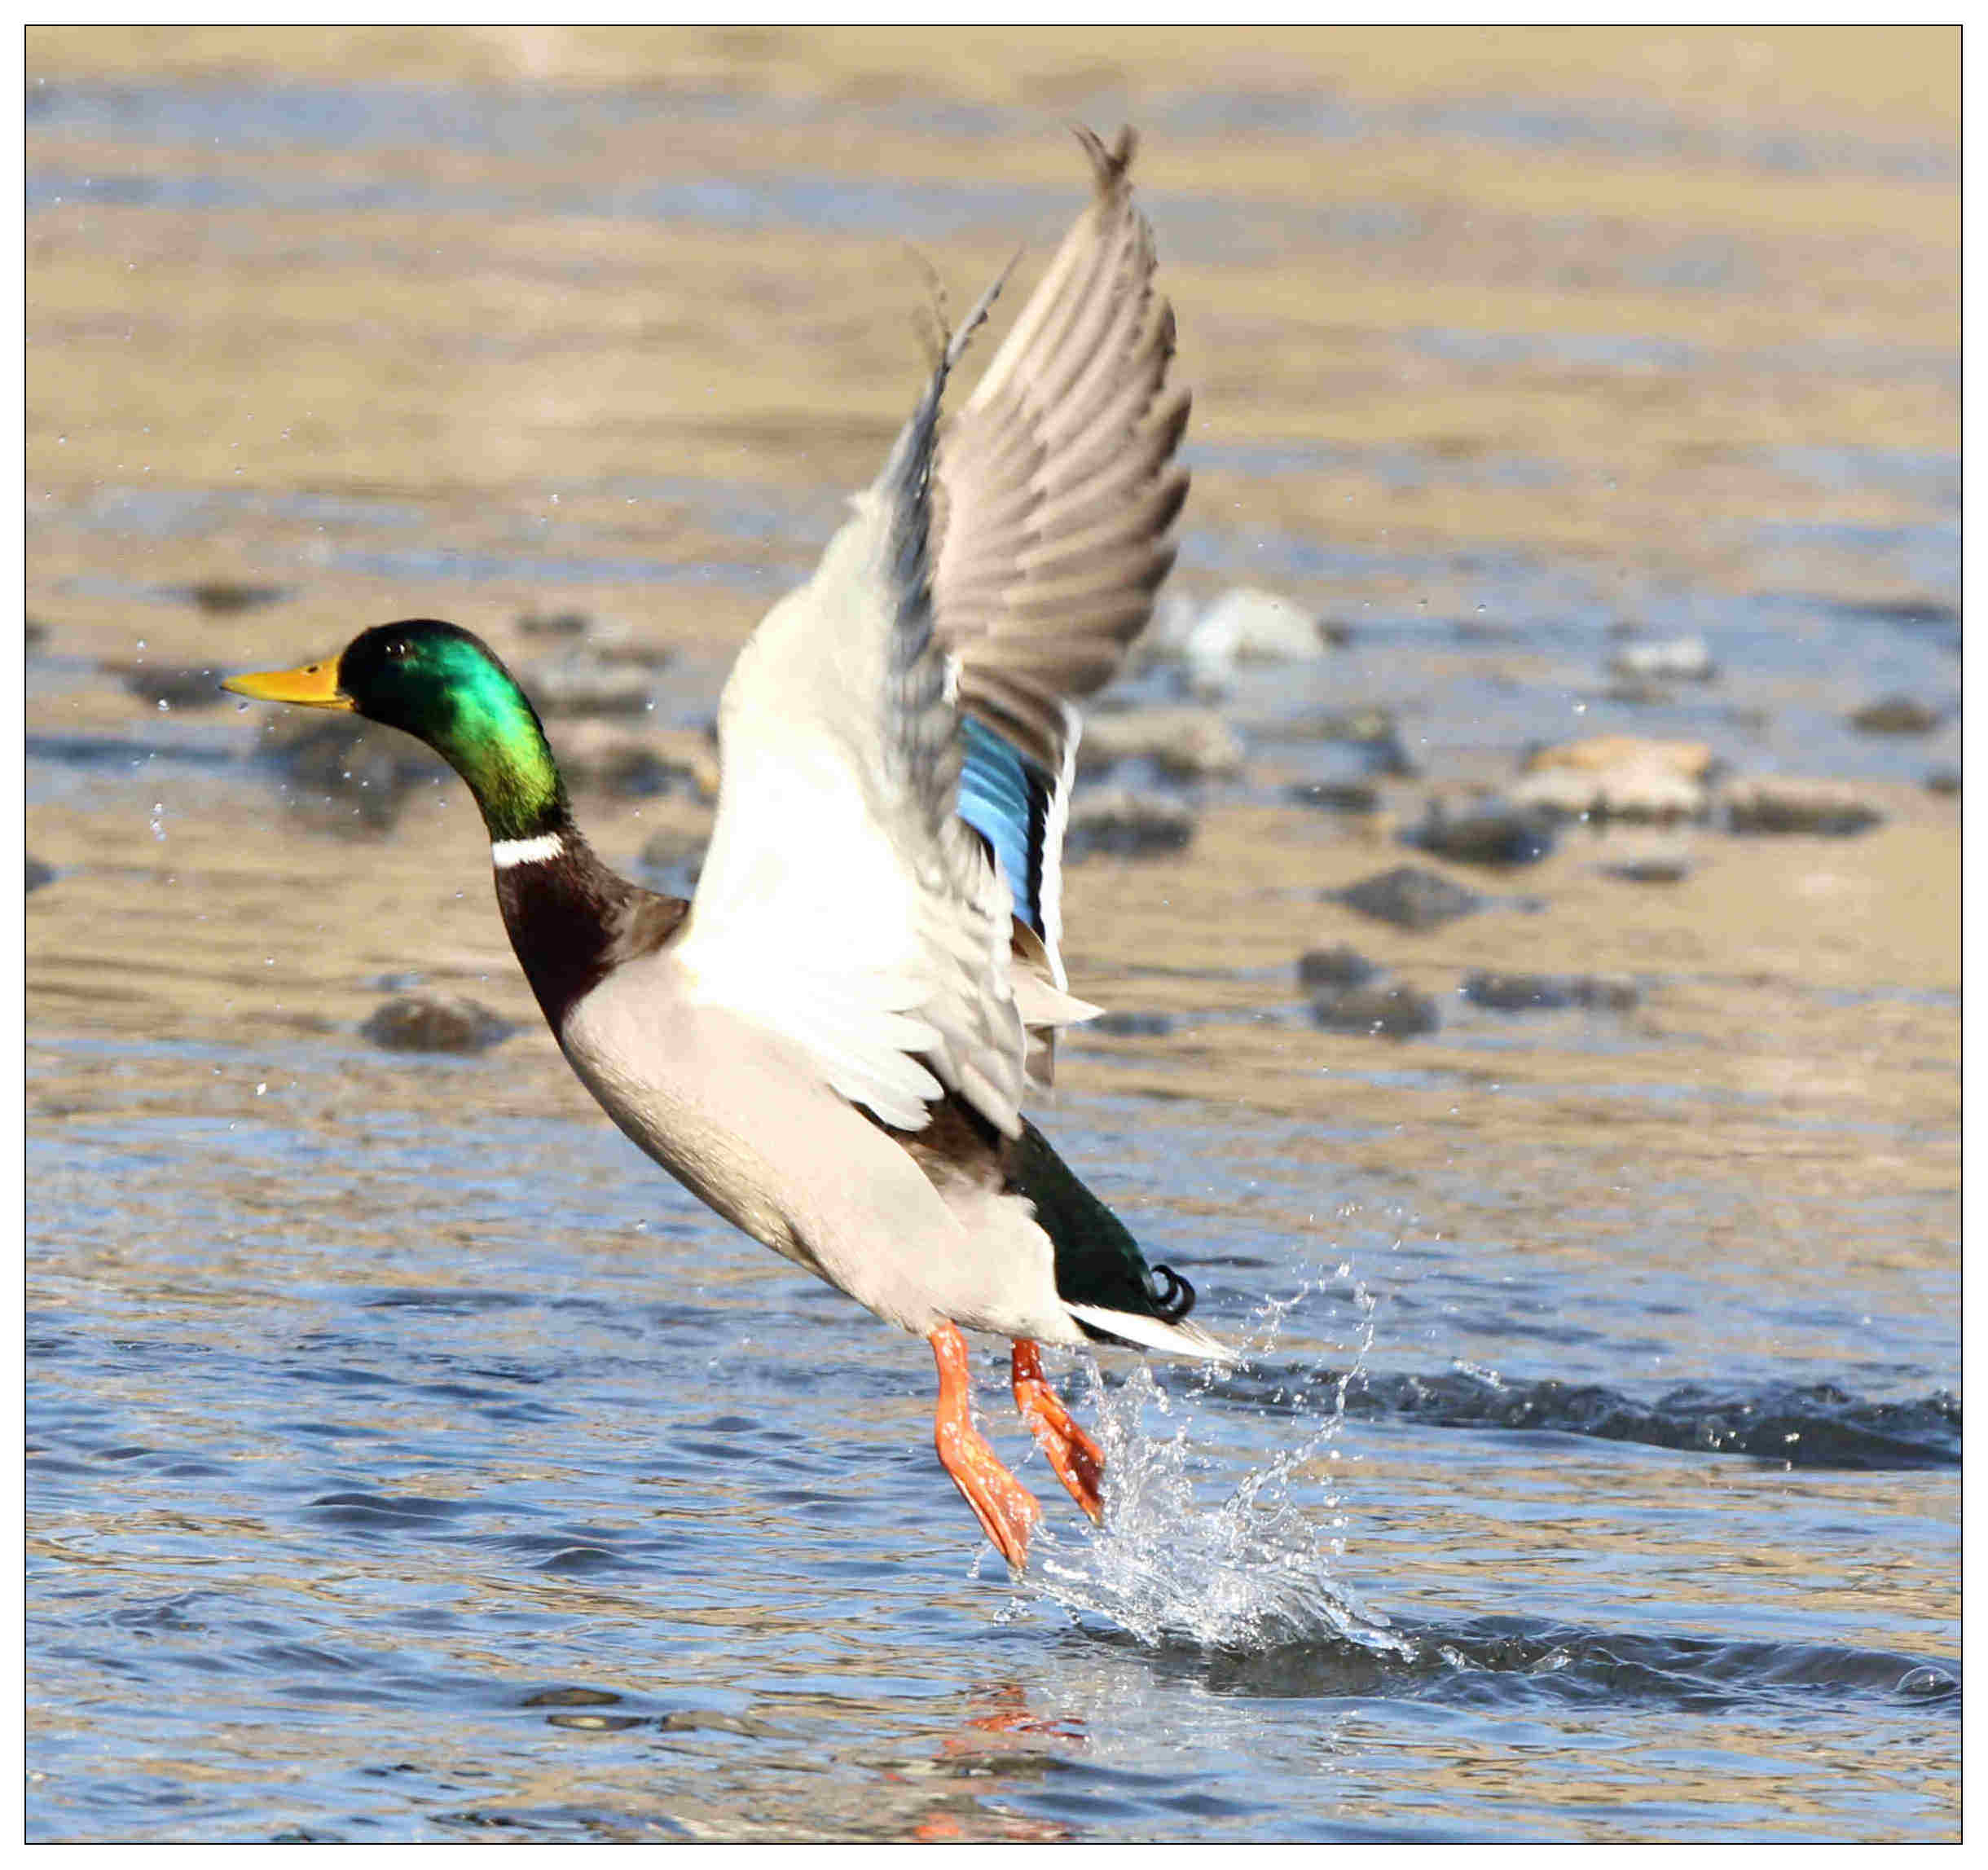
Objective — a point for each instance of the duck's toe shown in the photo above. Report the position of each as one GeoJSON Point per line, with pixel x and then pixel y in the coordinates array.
{"type": "Point", "coordinates": [1079, 1462]}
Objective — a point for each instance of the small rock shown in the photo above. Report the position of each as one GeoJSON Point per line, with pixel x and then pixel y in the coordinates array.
{"type": "Point", "coordinates": [1815, 807]}
{"type": "Point", "coordinates": [1387, 1012]}
{"type": "Point", "coordinates": [635, 763]}
{"type": "Point", "coordinates": [1914, 613]}
{"type": "Point", "coordinates": [1373, 730]}
{"type": "Point", "coordinates": [1636, 691]}
{"type": "Point", "coordinates": [1534, 992]}
{"type": "Point", "coordinates": [1896, 714]}
{"type": "Point", "coordinates": [1409, 898]}
{"type": "Point", "coordinates": [1326, 795]}
{"type": "Point", "coordinates": [1249, 625]}
{"type": "Point", "coordinates": [1641, 853]}
{"type": "Point", "coordinates": [432, 1021]}
{"type": "Point", "coordinates": [581, 682]}
{"type": "Point", "coordinates": [1604, 752]}
{"type": "Point", "coordinates": [632, 648]}
{"type": "Point", "coordinates": [1652, 867]}
{"type": "Point", "coordinates": [554, 623]}
{"type": "Point", "coordinates": [1617, 775]}
{"type": "Point", "coordinates": [227, 596]}
{"type": "Point", "coordinates": [1365, 726]}
{"type": "Point", "coordinates": [1607, 992]}
{"type": "Point", "coordinates": [1944, 780]}
{"type": "Point", "coordinates": [38, 873]}
{"type": "Point", "coordinates": [1496, 835]}
{"type": "Point", "coordinates": [362, 770]}
{"type": "Point", "coordinates": [1517, 992]}
{"type": "Point", "coordinates": [1679, 659]}
{"type": "Point", "coordinates": [1132, 1025]}
{"type": "Point", "coordinates": [1339, 966]}
{"type": "Point", "coordinates": [177, 686]}
{"type": "Point", "coordinates": [1183, 743]}
{"type": "Point", "coordinates": [1113, 821]}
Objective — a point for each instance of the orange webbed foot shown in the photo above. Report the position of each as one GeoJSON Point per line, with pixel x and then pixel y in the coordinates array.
{"type": "Point", "coordinates": [1079, 1462]}
{"type": "Point", "coordinates": [1006, 1510]}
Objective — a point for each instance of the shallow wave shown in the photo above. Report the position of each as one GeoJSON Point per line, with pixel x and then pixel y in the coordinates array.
{"type": "Point", "coordinates": [1504, 1663]}
{"type": "Point", "coordinates": [1803, 1425]}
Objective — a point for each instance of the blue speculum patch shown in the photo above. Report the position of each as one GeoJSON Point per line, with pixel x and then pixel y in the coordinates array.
{"type": "Point", "coordinates": [1006, 798]}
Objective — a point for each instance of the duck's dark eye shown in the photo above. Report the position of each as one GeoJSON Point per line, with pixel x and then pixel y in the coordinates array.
{"type": "Point", "coordinates": [397, 648]}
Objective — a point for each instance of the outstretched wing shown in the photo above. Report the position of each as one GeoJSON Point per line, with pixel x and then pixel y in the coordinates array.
{"type": "Point", "coordinates": [1057, 492]}
{"type": "Point", "coordinates": [897, 738]}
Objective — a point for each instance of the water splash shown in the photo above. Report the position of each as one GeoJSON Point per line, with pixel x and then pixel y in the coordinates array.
{"type": "Point", "coordinates": [1252, 1574]}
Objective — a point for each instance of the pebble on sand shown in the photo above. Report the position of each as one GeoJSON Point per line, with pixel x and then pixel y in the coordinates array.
{"type": "Point", "coordinates": [1409, 898]}
{"type": "Point", "coordinates": [429, 1020]}
{"type": "Point", "coordinates": [1246, 624]}
{"type": "Point", "coordinates": [1617, 775]}
{"type": "Point", "coordinates": [1113, 821]}
{"type": "Point", "coordinates": [1815, 807]}
{"type": "Point", "coordinates": [1550, 993]}
{"type": "Point", "coordinates": [363, 770]}
{"type": "Point", "coordinates": [1677, 659]}
{"type": "Point", "coordinates": [1385, 1012]}
{"type": "Point", "coordinates": [582, 682]}
{"type": "Point", "coordinates": [554, 623]}
{"type": "Point", "coordinates": [1182, 742]}
{"type": "Point", "coordinates": [631, 763]}
{"type": "Point", "coordinates": [1334, 795]}
{"type": "Point", "coordinates": [1338, 966]}
{"type": "Point", "coordinates": [1490, 832]}
{"type": "Point", "coordinates": [177, 685]}
{"type": "Point", "coordinates": [228, 597]}
{"type": "Point", "coordinates": [1131, 1025]}
{"type": "Point", "coordinates": [1896, 714]}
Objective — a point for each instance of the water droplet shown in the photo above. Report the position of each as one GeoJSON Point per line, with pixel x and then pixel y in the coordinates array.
{"type": "Point", "coordinates": [158, 819]}
{"type": "Point", "coordinates": [261, 1089]}
{"type": "Point", "coordinates": [166, 707]}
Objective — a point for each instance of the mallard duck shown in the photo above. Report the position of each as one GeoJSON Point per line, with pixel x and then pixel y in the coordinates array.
{"type": "Point", "coordinates": [833, 1043]}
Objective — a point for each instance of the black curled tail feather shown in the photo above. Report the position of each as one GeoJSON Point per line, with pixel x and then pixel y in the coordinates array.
{"type": "Point", "coordinates": [1173, 1297]}
{"type": "Point", "coordinates": [1097, 1262]}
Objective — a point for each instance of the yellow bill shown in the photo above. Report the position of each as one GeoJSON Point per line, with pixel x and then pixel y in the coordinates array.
{"type": "Point", "coordinates": [315, 685]}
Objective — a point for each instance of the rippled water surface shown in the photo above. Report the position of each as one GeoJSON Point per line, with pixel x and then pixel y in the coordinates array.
{"type": "Point", "coordinates": [410, 1459]}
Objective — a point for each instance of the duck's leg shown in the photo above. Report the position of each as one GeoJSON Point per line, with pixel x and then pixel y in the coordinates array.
{"type": "Point", "coordinates": [1079, 1462]}
{"type": "Point", "coordinates": [1006, 1510]}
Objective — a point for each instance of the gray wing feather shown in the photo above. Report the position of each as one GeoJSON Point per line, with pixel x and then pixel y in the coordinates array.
{"type": "Point", "coordinates": [1057, 490]}
{"type": "Point", "coordinates": [1000, 566]}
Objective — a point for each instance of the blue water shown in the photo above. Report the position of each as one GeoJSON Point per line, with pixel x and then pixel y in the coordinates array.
{"type": "Point", "coordinates": [417, 1475]}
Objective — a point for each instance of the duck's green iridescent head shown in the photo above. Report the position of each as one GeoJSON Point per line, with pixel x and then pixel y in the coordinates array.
{"type": "Point", "coordinates": [447, 687]}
